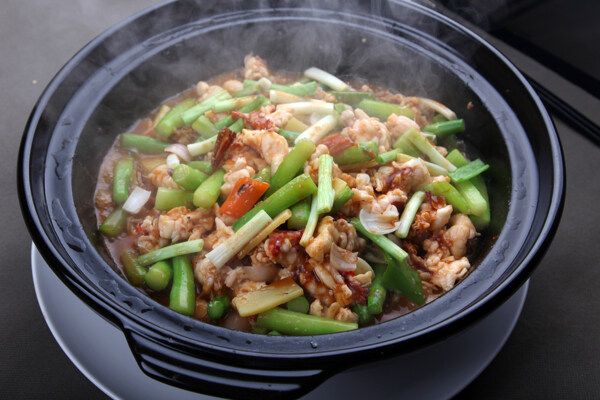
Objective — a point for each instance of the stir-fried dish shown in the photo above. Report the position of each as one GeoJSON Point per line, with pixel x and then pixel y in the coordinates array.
{"type": "Point", "coordinates": [292, 204]}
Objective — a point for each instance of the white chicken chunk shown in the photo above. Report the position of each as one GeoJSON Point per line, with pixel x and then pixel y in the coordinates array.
{"type": "Point", "coordinates": [397, 125]}
{"type": "Point", "coordinates": [181, 224]}
{"type": "Point", "coordinates": [459, 233]}
{"type": "Point", "coordinates": [255, 67]}
{"type": "Point", "coordinates": [272, 147]}
{"type": "Point", "coordinates": [160, 177]}
{"type": "Point", "coordinates": [362, 128]}
{"type": "Point", "coordinates": [235, 169]}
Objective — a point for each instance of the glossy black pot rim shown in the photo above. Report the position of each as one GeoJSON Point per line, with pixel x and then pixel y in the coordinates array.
{"type": "Point", "coordinates": [296, 349]}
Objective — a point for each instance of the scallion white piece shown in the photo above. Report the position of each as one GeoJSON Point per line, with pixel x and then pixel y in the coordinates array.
{"type": "Point", "coordinates": [439, 107]}
{"type": "Point", "coordinates": [423, 145]}
{"type": "Point", "coordinates": [172, 161]}
{"type": "Point", "coordinates": [202, 147]}
{"type": "Point", "coordinates": [264, 83]}
{"type": "Point", "coordinates": [326, 78]}
{"type": "Point", "coordinates": [311, 224]}
{"type": "Point", "coordinates": [318, 131]}
{"type": "Point", "coordinates": [262, 235]}
{"type": "Point", "coordinates": [308, 107]}
{"type": "Point", "coordinates": [230, 247]}
{"type": "Point", "coordinates": [325, 192]}
{"type": "Point", "coordinates": [408, 215]}
{"type": "Point", "coordinates": [136, 200]}
{"type": "Point", "coordinates": [279, 97]}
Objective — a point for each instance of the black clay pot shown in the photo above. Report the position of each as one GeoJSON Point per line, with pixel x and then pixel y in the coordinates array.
{"type": "Point", "coordinates": [128, 70]}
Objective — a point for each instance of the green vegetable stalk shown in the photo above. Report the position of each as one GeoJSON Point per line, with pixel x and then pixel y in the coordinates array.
{"type": "Point", "coordinates": [173, 119]}
{"type": "Point", "coordinates": [115, 223]}
{"type": "Point", "coordinates": [377, 292]}
{"type": "Point", "coordinates": [159, 275]}
{"type": "Point", "coordinates": [134, 272]}
{"type": "Point", "coordinates": [208, 192]}
{"type": "Point", "coordinates": [400, 277]}
{"type": "Point", "coordinates": [294, 323]}
{"type": "Point", "coordinates": [177, 249]}
{"type": "Point", "coordinates": [167, 198]}
{"type": "Point", "coordinates": [291, 165]}
{"type": "Point", "coordinates": [383, 110]}
{"type": "Point", "coordinates": [188, 177]}
{"type": "Point", "coordinates": [300, 213]}
{"type": "Point", "coordinates": [325, 192]}
{"type": "Point", "coordinates": [386, 244]}
{"type": "Point", "coordinates": [121, 178]}
{"type": "Point", "coordinates": [218, 307]}
{"type": "Point", "coordinates": [292, 192]}
{"type": "Point", "coordinates": [183, 291]}
{"type": "Point", "coordinates": [446, 127]}
{"type": "Point", "coordinates": [143, 144]}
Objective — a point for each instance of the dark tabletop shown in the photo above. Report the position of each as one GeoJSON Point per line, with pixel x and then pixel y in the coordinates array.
{"type": "Point", "coordinates": [553, 352]}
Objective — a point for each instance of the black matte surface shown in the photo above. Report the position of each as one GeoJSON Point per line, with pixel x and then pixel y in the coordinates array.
{"type": "Point", "coordinates": [552, 353]}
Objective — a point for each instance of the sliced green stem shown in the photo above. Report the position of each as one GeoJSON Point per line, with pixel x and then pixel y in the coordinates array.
{"type": "Point", "coordinates": [421, 143]}
{"type": "Point", "coordinates": [468, 171]}
{"type": "Point", "coordinates": [408, 214]}
{"type": "Point", "coordinates": [208, 192]}
{"type": "Point", "coordinates": [202, 166]}
{"type": "Point", "coordinates": [188, 177]}
{"type": "Point", "coordinates": [121, 178]}
{"type": "Point", "coordinates": [204, 127]}
{"type": "Point", "coordinates": [325, 192]}
{"type": "Point", "coordinates": [292, 192]}
{"type": "Point", "coordinates": [232, 104]}
{"type": "Point", "coordinates": [134, 272]}
{"type": "Point", "coordinates": [291, 165]}
{"type": "Point", "coordinates": [300, 213]}
{"type": "Point", "coordinates": [343, 193]}
{"type": "Point", "coordinates": [143, 144]}
{"type": "Point", "coordinates": [264, 175]}
{"type": "Point", "coordinates": [177, 249]}
{"type": "Point", "coordinates": [173, 120]}
{"type": "Point", "coordinates": [365, 151]}
{"type": "Point", "coordinates": [377, 293]}
{"type": "Point", "coordinates": [159, 276]}
{"type": "Point", "coordinates": [364, 317]}
{"type": "Point", "coordinates": [202, 147]}
{"type": "Point", "coordinates": [193, 113]}
{"type": "Point", "coordinates": [294, 323]}
{"type": "Point", "coordinates": [217, 307]}
{"type": "Point", "coordinates": [168, 198]}
{"type": "Point", "coordinates": [115, 223]}
{"type": "Point", "coordinates": [400, 277]}
{"type": "Point", "coordinates": [311, 224]}
{"type": "Point", "coordinates": [477, 203]}
{"type": "Point", "coordinates": [383, 110]}
{"type": "Point", "coordinates": [183, 291]}
{"type": "Point", "coordinates": [352, 98]}
{"type": "Point", "coordinates": [387, 157]}
{"type": "Point", "coordinates": [446, 128]}
{"type": "Point", "coordinates": [299, 304]}
{"type": "Point", "coordinates": [307, 89]}
{"type": "Point", "coordinates": [386, 244]}
{"type": "Point", "coordinates": [255, 104]}
{"type": "Point", "coordinates": [406, 147]}
{"type": "Point", "coordinates": [451, 194]}
{"type": "Point", "coordinates": [290, 136]}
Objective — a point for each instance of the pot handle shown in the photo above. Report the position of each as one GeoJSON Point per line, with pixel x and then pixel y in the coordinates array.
{"type": "Point", "coordinates": [207, 374]}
